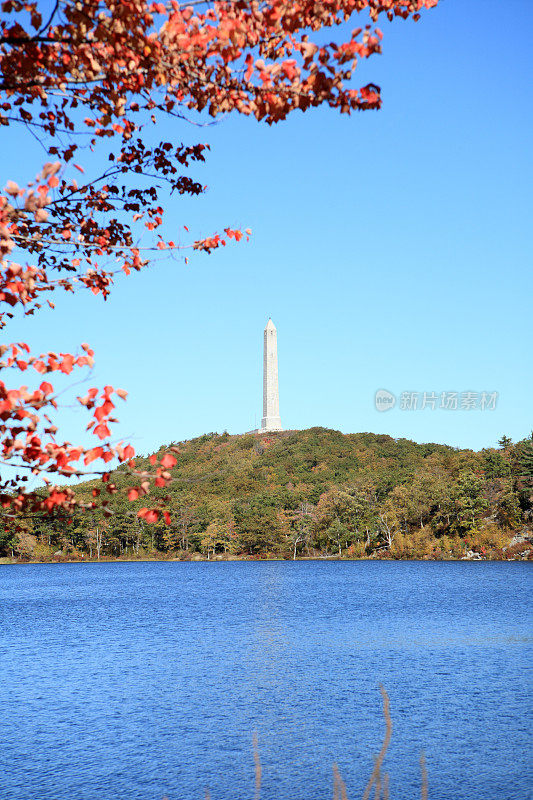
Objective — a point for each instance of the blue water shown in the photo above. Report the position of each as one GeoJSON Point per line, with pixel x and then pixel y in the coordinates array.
{"type": "Point", "coordinates": [138, 681]}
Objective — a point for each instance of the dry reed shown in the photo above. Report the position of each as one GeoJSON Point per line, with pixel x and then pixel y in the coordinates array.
{"type": "Point", "coordinates": [386, 741]}
{"type": "Point", "coordinates": [423, 770]}
{"type": "Point", "coordinates": [339, 787]}
{"type": "Point", "coordinates": [257, 762]}
{"type": "Point", "coordinates": [386, 786]}
{"type": "Point", "coordinates": [377, 790]}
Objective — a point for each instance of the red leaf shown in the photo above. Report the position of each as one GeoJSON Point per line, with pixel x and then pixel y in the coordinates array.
{"type": "Point", "coordinates": [129, 452]}
{"type": "Point", "coordinates": [67, 364]}
{"type": "Point", "coordinates": [92, 455]}
{"type": "Point", "coordinates": [102, 431]}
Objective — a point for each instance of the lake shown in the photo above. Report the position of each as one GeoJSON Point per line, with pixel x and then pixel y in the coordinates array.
{"type": "Point", "coordinates": [143, 680]}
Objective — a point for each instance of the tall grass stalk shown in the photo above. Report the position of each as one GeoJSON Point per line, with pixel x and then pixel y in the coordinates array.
{"type": "Point", "coordinates": [381, 787]}
{"type": "Point", "coordinates": [339, 787]}
{"type": "Point", "coordinates": [423, 770]}
{"type": "Point", "coordinates": [374, 778]}
{"type": "Point", "coordinates": [257, 762]}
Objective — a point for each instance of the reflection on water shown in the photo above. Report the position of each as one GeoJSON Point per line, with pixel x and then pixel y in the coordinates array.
{"type": "Point", "coordinates": [135, 681]}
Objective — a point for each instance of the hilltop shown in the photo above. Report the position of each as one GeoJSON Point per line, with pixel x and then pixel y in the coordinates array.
{"type": "Point", "coordinates": [315, 492]}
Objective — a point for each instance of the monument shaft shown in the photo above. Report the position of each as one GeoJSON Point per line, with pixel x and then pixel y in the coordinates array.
{"type": "Point", "coordinates": [271, 420]}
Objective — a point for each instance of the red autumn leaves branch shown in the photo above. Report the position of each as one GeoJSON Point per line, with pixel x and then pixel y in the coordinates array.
{"type": "Point", "coordinates": [118, 60]}
{"type": "Point", "coordinates": [28, 440]}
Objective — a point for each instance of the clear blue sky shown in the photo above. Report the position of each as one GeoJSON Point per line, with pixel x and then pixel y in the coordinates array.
{"type": "Point", "coordinates": [391, 249]}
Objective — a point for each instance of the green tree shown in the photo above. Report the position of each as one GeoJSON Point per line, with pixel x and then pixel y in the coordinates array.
{"type": "Point", "coordinates": [257, 526]}
{"type": "Point", "coordinates": [303, 519]}
{"type": "Point", "coordinates": [8, 542]}
{"type": "Point", "coordinates": [509, 513]}
{"type": "Point", "coordinates": [337, 534]}
{"type": "Point", "coordinates": [495, 464]}
{"type": "Point", "coordinates": [524, 458]}
{"type": "Point", "coordinates": [522, 468]}
{"type": "Point", "coordinates": [212, 538]}
{"type": "Point", "coordinates": [469, 503]}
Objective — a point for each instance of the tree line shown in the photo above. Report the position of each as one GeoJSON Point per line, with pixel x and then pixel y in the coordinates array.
{"type": "Point", "coordinates": [307, 493]}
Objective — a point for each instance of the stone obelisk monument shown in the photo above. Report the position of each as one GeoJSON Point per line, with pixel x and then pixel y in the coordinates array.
{"type": "Point", "coordinates": [271, 420]}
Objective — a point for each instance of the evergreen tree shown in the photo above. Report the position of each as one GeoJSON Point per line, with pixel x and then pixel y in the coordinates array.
{"type": "Point", "coordinates": [525, 458]}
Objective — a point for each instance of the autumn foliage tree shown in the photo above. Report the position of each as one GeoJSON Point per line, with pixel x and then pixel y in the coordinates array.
{"type": "Point", "coordinates": [91, 75]}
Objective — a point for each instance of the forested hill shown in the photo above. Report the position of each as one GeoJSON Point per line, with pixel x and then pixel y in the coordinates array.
{"type": "Point", "coordinates": [304, 493]}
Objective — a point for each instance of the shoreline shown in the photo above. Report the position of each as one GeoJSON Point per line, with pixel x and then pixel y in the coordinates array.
{"type": "Point", "coordinates": [203, 559]}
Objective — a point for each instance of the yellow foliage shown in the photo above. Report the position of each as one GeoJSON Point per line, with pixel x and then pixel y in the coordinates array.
{"type": "Point", "coordinates": [356, 550]}
{"type": "Point", "coordinates": [421, 543]}
{"type": "Point", "coordinates": [489, 537]}
{"type": "Point", "coordinates": [451, 546]}
{"type": "Point", "coordinates": [42, 552]}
